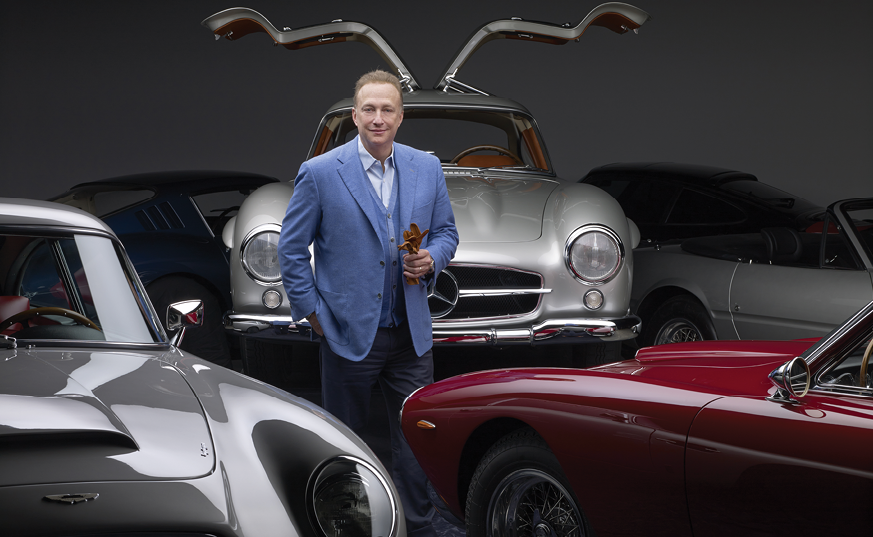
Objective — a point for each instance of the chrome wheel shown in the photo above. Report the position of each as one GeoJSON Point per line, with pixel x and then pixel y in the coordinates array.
{"type": "Point", "coordinates": [678, 331]}
{"type": "Point", "coordinates": [532, 503]}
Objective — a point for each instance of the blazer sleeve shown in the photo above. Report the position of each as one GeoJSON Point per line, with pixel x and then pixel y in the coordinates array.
{"type": "Point", "coordinates": [301, 223]}
{"type": "Point", "coordinates": [442, 239]}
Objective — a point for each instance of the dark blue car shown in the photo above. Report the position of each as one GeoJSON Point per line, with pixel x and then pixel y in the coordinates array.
{"type": "Point", "coordinates": [170, 224]}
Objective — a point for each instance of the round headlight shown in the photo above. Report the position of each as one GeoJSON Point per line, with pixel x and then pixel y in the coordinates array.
{"type": "Point", "coordinates": [349, 497]}
{"type": "Point", "coordinates": [594, 254]}
{"type": "Point", "coordinates": [260, 256]}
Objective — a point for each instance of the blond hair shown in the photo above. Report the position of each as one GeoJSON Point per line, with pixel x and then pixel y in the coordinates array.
{"type": "Point", "coordinates": [378, 77]}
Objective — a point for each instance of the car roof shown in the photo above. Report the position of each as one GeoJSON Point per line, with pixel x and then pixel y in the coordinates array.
{"type": "Point", "coordinates": [433, 98]}
{"type": "Point", "coordinates": [689, 173]}
{"type": "Point", "coordinates": [186, 180]}
{"type": "Point", "coordinates": [27, 212]}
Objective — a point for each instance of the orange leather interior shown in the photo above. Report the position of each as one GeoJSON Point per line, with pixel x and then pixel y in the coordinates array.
{"type": "Point", "coordinates": [323, 140]}
{"type": "Point", "coordinates": [487, 161]}
{"type": "Point", "coordinates": [533, 147]}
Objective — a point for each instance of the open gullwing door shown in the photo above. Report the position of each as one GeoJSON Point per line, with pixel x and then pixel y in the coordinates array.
{"type": "Point", "coordinates": [238, 22]}
{"type": "Point", "coordinates": [616, 16]}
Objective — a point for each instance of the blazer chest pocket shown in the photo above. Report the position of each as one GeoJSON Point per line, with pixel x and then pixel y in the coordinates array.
{"type": "Point", "coordinates": [422, 215]}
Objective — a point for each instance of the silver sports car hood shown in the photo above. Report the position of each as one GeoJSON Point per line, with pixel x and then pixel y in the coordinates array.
{"type": "Point", "coordinates": [68, 416]}
{"type": "Point", "coordinates": [494, 209]}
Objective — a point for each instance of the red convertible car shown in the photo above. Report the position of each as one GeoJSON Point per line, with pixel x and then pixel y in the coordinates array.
{"type": "Point", "coordinates": [706, 438]}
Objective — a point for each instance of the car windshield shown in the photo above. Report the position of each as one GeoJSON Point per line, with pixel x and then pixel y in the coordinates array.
{"type": "Point", "coordinates": [105, 199]}
{"type": "Point", "coordinates": [75, 287]}
{"type": "Point", "coordinates": [458, 137]}
{"type": "Point", "coordinates": [860, 214]}
{"type": "Point", "coordinates": [771, 196]}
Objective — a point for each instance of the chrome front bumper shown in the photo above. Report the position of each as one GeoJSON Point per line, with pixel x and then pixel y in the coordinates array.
{"type": "Point", "coordinates": [562, 331]}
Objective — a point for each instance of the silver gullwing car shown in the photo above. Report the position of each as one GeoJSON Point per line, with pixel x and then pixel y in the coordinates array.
{"type": "Point", "coordinates": [107, 428]}
{"type": "Point", "coordinates": [539, 261]}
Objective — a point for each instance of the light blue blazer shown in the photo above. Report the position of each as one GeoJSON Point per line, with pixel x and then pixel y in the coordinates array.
{"type": "Point", "coordinates": [333, 210]}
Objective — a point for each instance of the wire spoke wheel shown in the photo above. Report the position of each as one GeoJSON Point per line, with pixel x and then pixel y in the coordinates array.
{"type": "Point", "coordinates": [678, 331]}
{"type": "Point", "coordinates": [532, 503]}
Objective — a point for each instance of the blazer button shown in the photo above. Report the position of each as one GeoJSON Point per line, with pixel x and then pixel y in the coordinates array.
{"type": "Point", "coordinates": [379, 295]}
{"type": "Point", "coordinates": [382, 263]}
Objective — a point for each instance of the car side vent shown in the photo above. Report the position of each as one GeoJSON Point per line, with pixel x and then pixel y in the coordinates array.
{"type": "Point", "coordinates": [158, 218]}
{"type": "Point", "coordinates": [171, 215]}
{"type": "Point", "coordinates": [146, 222]}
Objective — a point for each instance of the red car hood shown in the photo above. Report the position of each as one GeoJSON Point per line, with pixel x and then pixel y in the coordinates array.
{"type": "Point", "coordinates": [726, 367]}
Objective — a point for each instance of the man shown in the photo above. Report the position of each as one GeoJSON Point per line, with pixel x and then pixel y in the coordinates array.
{"type": "Point", "coordinates": [353, 204]}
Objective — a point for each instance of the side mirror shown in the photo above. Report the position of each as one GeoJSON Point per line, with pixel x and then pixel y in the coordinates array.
{"type": "Point", "coordinates": [792, 381]}
{"type": "Point", "coordinates": [181, 315]}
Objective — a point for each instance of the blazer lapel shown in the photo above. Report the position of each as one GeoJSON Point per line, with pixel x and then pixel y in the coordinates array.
{"type": "Point", "coordinates": [407, 175]}
{"type": "Point", "coordinates": [352, 173]}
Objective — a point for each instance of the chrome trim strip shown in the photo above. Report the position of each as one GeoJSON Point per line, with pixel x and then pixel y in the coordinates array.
{"type": "Point", "coordinates": [53, 232]}
{"type": "Point", "coordinates": [502, 292]}
{"type": "Point", "coordinates": [78, 343]}
{"type": "Point", "coordinates": [546, 332]}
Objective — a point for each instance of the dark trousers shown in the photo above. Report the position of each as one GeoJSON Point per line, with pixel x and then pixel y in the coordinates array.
{"type": "Point", "coordinates": [346, 387]}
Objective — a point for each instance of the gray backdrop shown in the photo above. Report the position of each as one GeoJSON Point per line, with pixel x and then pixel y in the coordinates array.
{"type": "Point", "coordinates": [778, 88]}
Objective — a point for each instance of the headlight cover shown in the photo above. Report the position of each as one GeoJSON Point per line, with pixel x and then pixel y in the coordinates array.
{"type": "Point", "coordinates": [349, 497]}
{"type": "Point", "coordinates": [594, 254]}
{"type": "Point", "coordinates": [259, 255]}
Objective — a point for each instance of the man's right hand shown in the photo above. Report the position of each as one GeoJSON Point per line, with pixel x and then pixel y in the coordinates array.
{"type": "Point", "coordinates": [313, 320]}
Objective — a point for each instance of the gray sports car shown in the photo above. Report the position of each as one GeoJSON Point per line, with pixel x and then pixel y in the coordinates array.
{"type": "Point", "coordinates": [540, 261]}
{"type": "Point", "coordinates": [108, 428]}
{"type": "Point", "coordinates": [780, 283]}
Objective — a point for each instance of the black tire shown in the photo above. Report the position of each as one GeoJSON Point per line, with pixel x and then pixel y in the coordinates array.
{"type": "Point", "coordinates": [207, 341]}
{"type": "Point", "coordinates": [293, 368]}
{"type": "Point", "coordinates": [512, 480]}
{"type": "Point", "coordinates": [679, 319]}
{"type": "Point", "coordinates": [592, 354]}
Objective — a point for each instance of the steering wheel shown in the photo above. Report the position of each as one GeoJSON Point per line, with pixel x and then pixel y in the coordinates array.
{"type": "Point", "coordinates": [862, 378]}
{"type": "Point", "coordinates": [36, 312]}
{"type": "Point", "coordinates": [497, 148]}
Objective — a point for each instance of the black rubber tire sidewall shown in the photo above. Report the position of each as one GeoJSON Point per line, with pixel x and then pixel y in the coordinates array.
{"type": "Point", "coordinates": [677, 307]}
{"type": "Point", "coordinates": [521, 449]}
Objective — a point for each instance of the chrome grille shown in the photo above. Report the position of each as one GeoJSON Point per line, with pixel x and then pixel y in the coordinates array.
{"type": "Point", "coordinates": [455, 297]}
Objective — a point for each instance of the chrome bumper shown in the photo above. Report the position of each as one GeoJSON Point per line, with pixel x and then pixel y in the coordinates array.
{"type": "Point", "coordinates": [561, 331]}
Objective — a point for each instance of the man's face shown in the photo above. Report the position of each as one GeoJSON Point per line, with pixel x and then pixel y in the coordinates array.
{"type": "Point", "coordinates": [377, 113]}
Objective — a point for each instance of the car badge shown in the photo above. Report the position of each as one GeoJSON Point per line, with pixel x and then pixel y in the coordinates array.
{"type": "Point", "coordinates": [445, 295]}
{"type": "Point", "coordinates": [72, 498]}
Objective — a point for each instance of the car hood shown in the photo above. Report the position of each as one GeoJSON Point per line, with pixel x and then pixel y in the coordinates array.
{"type": "Point", "coordinates": [721, 367]}
{"type": "Point", "coordinates": [494, 209]}
{"type": "Point", "coordinates": [73, 415]}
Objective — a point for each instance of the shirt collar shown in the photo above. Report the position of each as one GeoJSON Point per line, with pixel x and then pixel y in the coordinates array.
{"type": "Point", "coordinates": [367, 159]}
